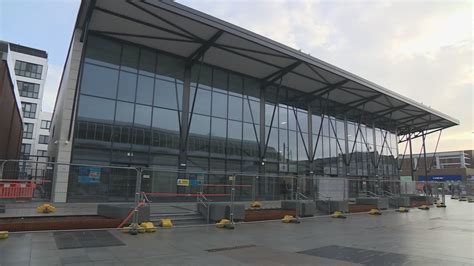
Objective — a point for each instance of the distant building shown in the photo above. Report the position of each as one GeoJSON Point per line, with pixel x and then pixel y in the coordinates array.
{"type": "Point", "coordinates": [440, 166]}
{"type": "Point", "coordinates": [31, 67]}
{"type": "Point", "coordinates": [10, 108]}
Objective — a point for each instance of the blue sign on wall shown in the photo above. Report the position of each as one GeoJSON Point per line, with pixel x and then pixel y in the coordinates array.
{"type": "Point", "coordinates": [441, 178]}
{"type": "Point", "coordinates": [89, 175]}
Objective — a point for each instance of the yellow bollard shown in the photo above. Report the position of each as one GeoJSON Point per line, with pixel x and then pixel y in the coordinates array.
{"type": "Point", "coordinates": [3, 234]}
{"type": "Point", "coordinates": [375, 212]}
{"type": "Point", "coordinates": [338, 214]}
{"type": "Point", "coordinates": [255, 205]}
{"type": "Point", "coordinates": [403, 209]}
{"type": "Point", "coordinates": [166, 223]}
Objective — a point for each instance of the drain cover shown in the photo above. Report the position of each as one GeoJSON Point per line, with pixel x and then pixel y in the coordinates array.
{"type": "Point", "coordinates": [87, 239]}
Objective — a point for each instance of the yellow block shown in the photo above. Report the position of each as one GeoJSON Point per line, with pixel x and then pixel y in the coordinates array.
{"type": "Point", "coordinates": [3, 234]}
{"type": "Point", "coordinates": [403, 209]}
{"type": "Point", "coordinates": [338, 214]}
{"type": "Point", "coordinates": [45, 208]}
{"type": "Point", "coordinates": [288, 219]}
{"type": "Point", "coordinates": [375, 212]}
{"type": "Point", "coordinates": [148, 226]}
{"type": "Point", "coordinates": [256, 204]}
{"type": "Point", "coordinates": [222, 223]}
{"type": "Point", "coordinates": [166, 223]}
{"type": "Point", "coordinates": [424, 207]}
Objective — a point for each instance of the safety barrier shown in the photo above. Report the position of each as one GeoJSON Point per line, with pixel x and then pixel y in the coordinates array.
{"type": "Point", "coordinates": [16, 189]}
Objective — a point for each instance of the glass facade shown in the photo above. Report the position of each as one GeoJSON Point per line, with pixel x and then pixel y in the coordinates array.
{"type": "Point", "coordinates": [130, 112]}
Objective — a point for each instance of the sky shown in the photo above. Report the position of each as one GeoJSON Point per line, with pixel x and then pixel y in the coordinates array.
{"type": "Point", "coordinates": [421, 49]}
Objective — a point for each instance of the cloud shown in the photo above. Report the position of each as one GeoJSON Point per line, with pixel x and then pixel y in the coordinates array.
{"type": "Point", "coordinates": [51, 87]}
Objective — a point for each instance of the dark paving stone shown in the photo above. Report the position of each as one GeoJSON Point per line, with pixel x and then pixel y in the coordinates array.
{"type": "Point", "coordinates": [357, 255]}
{"type": "Point", "coordinates": [88, 239]}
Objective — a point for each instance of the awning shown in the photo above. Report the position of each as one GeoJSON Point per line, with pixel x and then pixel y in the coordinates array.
{"type": "Point", "coordinates": [177, 29]}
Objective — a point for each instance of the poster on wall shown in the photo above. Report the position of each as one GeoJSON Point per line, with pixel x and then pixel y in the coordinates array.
{"type": "Point", "coordinates": [89, 175]}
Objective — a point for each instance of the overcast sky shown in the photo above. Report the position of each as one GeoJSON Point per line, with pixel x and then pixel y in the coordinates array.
{"type": "Point", "coordinates": [420, 49]}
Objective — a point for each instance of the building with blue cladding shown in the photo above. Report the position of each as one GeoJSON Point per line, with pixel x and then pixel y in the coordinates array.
{"type": "Point", "coordinates": [159, 85]}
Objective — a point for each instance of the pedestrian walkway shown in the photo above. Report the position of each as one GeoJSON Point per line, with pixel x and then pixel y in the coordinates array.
{"type": "Point", "coordinates": [435, 237]}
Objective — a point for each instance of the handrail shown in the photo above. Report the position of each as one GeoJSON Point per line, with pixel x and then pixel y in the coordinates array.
{"type": "Point", "coordinates": [303, 196]}
{"type": "Point", "coordinates": [201, 199]}
{"type": "Point", "coordinates": [371, 194]}
{"type": "Point", "coordinates": [389, 194]}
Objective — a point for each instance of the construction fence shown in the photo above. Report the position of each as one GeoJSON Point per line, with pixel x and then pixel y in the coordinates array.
{"type": "Point", "coordinates": [33, 179]}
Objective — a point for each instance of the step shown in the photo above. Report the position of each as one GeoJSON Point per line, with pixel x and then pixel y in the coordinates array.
{"type": "Point", "coordinates": [179, 218]}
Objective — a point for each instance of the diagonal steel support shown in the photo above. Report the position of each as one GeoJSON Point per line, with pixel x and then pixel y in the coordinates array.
{"type": "Point", "coordinates": [279, 74]}
{"type": "Point", "coordinates": [271, 121]}
{"type": "Point", "coordinates": [198, 53]}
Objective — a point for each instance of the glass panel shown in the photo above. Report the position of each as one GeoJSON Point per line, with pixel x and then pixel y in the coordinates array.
{"type": "Point", "coordinates": [99, 81]}
{"type": "Point", "coordinates": [219, 127]}
{"type": "Point", "coordinates": [268, 115]}
{"type": "Point", "coordinates": [129, 58]}
{"type": "Point", "coordinates": [254, 108]}
{"type": "Point", "coordinates": [124, 113]}
{"type": "Point", "coordinates": [283, 117]}
{"type": "Point", "coordinates": [127, 86]}
{"type": "Point", "coordinates": [165, 119]}
{"type": "Point", "coordinates": [316, 124]}
{"type": "Point", "coordinates": [272, 148]}
{"type": "Point", "coordinates": [142, 115]}
{"type": "Point", "coordinates": [235, 108]}
{"type": "Point", "coordinates": [147, 62]}
{"type": "Point", "coordinates": [165, 94]}
{"type": "Point", "coordinates": [235, 85]}
{"type": "Point", "coordinates": [219, 104]}
{"type": "Point", "coordinates": [292, 145]}
{"type": "Point", "coordinates": [351, 131]}
{"type": "Point", "coordinates": [252, 88]}
{"type": "Point", "coordinates": [340, 129]}
{"type": "Point", "coordinates": [202, 104]}
{"type": "Point", "coordinates": [326, 126]}
{"type": "Point", "coordinates": [283, 141]}
{"type": "Point", "coordinates": [234, 130]}
{"type": "Point", "coordinates": [96, 108]}
{"type": "Point", "coordinates": [302, 143]}
{"type": "Point", "coordinates": [169, 67]}
{"type": "Point", "coordinates": [249, 133]}
{"type": "Point", "coordinates": [218, 133]}
{"type": "Point", "coordinates": [145, 90]}
{"type": "Point", "coordinates": [199, 125]}
{"type": "Point", "coordinates": [103, 51]}
{"type": "Point", "coordinates": [234, 133]}
{"type": "Point", "coordinates": [203, 75]}
{"type": "Point", "coordinates": [219, 82]}
{"type": "Point", "coordinates": [303, 121]}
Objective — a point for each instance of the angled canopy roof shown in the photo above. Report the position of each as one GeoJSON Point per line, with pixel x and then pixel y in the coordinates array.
{"type": "Point", "coordinates": [183, 31]}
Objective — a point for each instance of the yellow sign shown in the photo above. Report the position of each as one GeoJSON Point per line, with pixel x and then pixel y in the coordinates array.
{"type": "Point", "coordinates": [183, 182]}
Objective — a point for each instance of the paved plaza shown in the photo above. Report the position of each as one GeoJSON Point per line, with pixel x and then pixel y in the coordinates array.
{"type": "Point", "coordinates": [435, 237]}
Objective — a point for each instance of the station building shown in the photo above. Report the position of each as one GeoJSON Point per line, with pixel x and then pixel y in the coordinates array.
{"type": "Point", "coordinates": [159, 85]}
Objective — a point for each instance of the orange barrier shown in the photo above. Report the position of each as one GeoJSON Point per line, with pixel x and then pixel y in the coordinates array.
{"type": "Point", "coordinates": [166, 194]}
{"type": "Point", "coordinates": [17, 190]}
{"type": "Point", "coordinates": [129, 216]}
